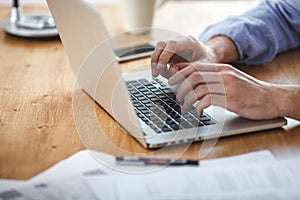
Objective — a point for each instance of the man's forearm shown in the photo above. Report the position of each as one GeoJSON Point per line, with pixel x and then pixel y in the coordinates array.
{"type": "Point", "coordinates": [286, 97]}
{"type": "Point", "coordinates": [223, 48]}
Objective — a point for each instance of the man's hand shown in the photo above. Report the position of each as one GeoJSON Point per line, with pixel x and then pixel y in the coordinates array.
{"type": "Point", "coordinates": [192, 66]}
{"type": "Point", "coordinates": [223, 85]}
{"type": "Point", "coordinates": [173, 55]}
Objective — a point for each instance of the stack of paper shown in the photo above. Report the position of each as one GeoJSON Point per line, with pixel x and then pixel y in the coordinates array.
{"type": "Point", "coordinates": [94, 175]}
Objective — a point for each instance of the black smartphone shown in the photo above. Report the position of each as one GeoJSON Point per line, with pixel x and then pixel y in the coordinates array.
{"type": "Point", "coordinates": [134, 52]}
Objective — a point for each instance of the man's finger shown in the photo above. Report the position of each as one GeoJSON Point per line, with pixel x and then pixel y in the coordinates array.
{"type": "Point", "coordinates": [155, 57]}
{"type": "Point", "coordinates": [166, 55]}
{"type": "Point", "coordinates": [199, 92]}
{"type": "Point", "coordinates": [211, 99]}
{"type": "Point", "coordinates": [193, 67]}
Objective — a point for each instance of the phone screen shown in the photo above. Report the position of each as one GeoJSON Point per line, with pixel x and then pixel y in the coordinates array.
{"type": "Point", "coordinates": [135, 51]}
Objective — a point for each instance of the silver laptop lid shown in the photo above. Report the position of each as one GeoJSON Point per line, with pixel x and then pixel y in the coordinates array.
{"type": "Point", "coordinates": [91, 56]}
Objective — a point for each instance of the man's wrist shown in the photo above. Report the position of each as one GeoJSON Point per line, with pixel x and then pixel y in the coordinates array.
{"type": "Point", "coordinates": [287, 101]}
{"type": "Point", "coordinates": [223, 48]}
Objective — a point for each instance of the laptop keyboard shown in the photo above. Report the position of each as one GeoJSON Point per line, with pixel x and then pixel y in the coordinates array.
{"type": "Point", "coordinates": [155, 104]}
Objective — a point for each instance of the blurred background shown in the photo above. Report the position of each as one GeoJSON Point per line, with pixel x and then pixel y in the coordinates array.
{"type": "Point", "coordinates": [43, 2]}
{"type": "Point", "coordinates": [163, 19]}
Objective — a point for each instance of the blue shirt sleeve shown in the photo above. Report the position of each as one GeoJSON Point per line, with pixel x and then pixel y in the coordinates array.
{"type": "Point", "coordinates": [262, 32]}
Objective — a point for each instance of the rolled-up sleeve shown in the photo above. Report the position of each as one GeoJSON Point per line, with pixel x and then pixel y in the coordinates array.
{"type": "Point", "coordinates": [262, 32]}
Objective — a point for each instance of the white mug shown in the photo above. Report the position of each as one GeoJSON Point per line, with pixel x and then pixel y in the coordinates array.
{"type": "Point", "coordinates": [137, 14]}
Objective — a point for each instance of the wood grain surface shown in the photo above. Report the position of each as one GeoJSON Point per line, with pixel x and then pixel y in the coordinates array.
{"type": "Point", "coordinates": [38, 126]}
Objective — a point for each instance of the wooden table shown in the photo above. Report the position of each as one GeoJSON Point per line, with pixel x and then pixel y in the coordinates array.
{"type": "Point", "coordinates": [37, 124]}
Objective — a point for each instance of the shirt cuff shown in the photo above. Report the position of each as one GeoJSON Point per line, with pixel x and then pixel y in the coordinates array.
{"type": "Point", "coordinates": [253, 38]}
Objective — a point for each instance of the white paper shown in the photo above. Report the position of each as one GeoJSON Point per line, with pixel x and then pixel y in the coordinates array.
{"type": "Point", "coordinates": [74, 165]}
{"type": "Point", "coordinates": [252, 157]}
{"type": "Point", "coordinates": [8, 183]}
{"type": "Point", "coordinates": [87, 160]}
{"type": "Point", "coordinates": [253, 175]}
{"type": "Point", "coordinates": [92, 185]}
{"type": "Point", "coordinates": [273, 180]}
{"type": "Point", "coordinates": [270, 180]}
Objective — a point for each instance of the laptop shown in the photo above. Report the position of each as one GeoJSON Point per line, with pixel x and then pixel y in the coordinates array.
{"type": "Point", "coordinates": [142, 105]}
